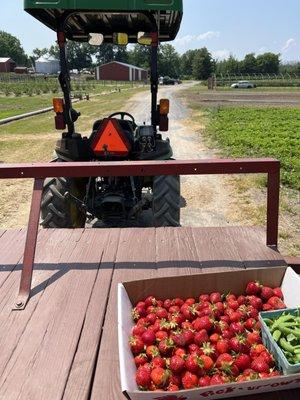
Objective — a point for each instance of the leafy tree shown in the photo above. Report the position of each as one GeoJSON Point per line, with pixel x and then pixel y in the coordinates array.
{"type": "Point", "coordinates": [203, 65]}
{"type": "Point", "coordinates": [187, 60]}
{"type": "Point", "coordinates": [10, 46]}
{"type": "Point", "coordinates": [249, 64]}
{"type": "Point", "coordinates": [268, 63]}
{"type": "Point", "coordinates": [37, 53]}
{"type": "Point", "coordinates": [168, 61]}
{"type": "Point", "coordinates": [140, 56]}
{"type": "Point", "coordinates": [79, 55]}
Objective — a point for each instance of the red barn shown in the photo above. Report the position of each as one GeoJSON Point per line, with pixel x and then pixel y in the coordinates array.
{"type": "Point", "coordinates": [118, 71]}
{"type": "Point", "coordinates": [7, 64]}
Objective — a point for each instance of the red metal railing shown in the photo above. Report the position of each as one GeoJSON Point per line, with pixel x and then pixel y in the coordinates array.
{"type": "Point", "coordinates": [39, 172]}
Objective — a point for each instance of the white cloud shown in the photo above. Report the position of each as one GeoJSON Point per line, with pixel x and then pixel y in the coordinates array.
{"type": "Point", "coordinates": [221, 54]}
{"type": "Point", "coordinates": [288, 45]}
{"type": "Point", "coordinates": [188, 39]}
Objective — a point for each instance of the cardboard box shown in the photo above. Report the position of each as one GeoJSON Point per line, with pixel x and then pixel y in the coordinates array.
{"type": "Point", "coordinates": [191, 286]}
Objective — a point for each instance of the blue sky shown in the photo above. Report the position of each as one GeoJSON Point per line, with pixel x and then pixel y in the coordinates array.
{"type": "Point", "coordinates": [224, 26]}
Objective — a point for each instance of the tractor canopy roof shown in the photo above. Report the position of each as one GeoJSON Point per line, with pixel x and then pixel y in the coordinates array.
{"type": "Point", "coordinates": [107, 17]}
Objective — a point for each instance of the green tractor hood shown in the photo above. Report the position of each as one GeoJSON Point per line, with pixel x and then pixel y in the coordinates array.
{"type": "Point", "coordinates": [107, 17]}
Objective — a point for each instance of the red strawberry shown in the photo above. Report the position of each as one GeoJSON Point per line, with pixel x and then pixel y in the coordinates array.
{"type": "Point", "coordinates": [190, 301]}
{"type": "Point", "coordinates": [151, 318]}
{"type": "Point", "coordinates": [214, 338]}
{"type": "Point", "coordinates": [237, 327]}
{"type": "Point", "coordinates": [204, 298]}
{"type": "Point", "coordinates": [136, 344]}
{"type": "Point", "coordinates": [141, 359]}
{"type": "Point", "coordinates": [178, 338]}
{"type": "Point", "coordinates": [218, 379]}
{"type": "Point", "coordinates": [201, 337]}
{"type": "Point", "coordinates": [160, 377]}
{"type": "Point", "coordinates": [242, 300]}
{"type": "Point", "coordinates": [259, 364]}
{"type": "Point", "coordinates": [138, 330]}
{"type": "Point", "coordinates": [252, 312]}
{"type": "Point", "coordinates": [267, 357]}
{"type": "Point", "coordinates": [177, 364]}
{"type": "Point", "coordinates": [180, 352]}
{"type": "Point", "coordinates": [222, 346]}
{"type": "Point", "coordinates": [174, 309]}
{"type": "Point", "coordinates": [233, 304]}
{"type": "Point", "coordinates": [206, 362]}
{"type": "Point", "coordinates": [194, 349]}
{"type": "Point", "coordinates": [158, 362]}
{"type": "Point", "coordinates": [250, 323]}
{"type": "Point", "coordinates": [166, 347]}
{"type": "Point", "coordinates": [192, 363]}
{"type": "Point", "coordinates": [215, 297]}
{"type": "Point", "coordinates": [267, 307]}
{"type": "Point", "coordinates": [203, 323]}
{"type": "Point", "coordinates": [253, 338]}
{"type": "Point", "coordinates": [148, 337]}
{"type": "Point", "coordinates": [162, 313]}
{"type": "Point", "coordinates": [256, 350]}
{"type": "Point", "coordinates": [161, 335]}
{"type": "Point", "coordinates": [243, 362]}
{"type": "Point", "coordinates": [278, 292]}
{"type": "Point", "coordinates": [177, 302]}
{"type": "Point", "coordinates": [227, 334]}
{"type": "Point", "coordinates": [189, 380]}
{"type": "Point", "coordinates": [276, 303]}
{"type": "Point", "coordinates": [143, 378]}
{"type": "Point", "coordinates": [235, 316]}
{"type": "Point", "coordinates": [188, 336]}
{"type": "Point", "coordinates": [238, 344]}
{"type": "Point", "coordinates": [204, 381]}
{"type": "Point", "coordinates": [150, 301]}
{"type": "Point", "coordinates": [175, 379]}
{"type": "Point", "coordinates": [138, 312]}
{"type": "Point", "coordinates": [253, 288]}
{"type": "Point", "coordinates": [266, 293]}
{"type": "Point", "coordinates": [172, 388]}
{"type": "Point", "coordinates": [167, 304]}
{"type": "Point", "coordinates": [225, 358]}
{"type": "Point", "coordinates": [152, 351]}
{"type": "Point", "coordinates": [255, 302]}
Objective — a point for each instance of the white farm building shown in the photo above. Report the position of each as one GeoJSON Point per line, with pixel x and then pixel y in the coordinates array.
{"type": "Point", "coordinates": [47, 65]}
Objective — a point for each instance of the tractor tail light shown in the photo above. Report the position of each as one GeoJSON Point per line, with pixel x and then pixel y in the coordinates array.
{"type": "Point", "coordinates": [58, 105]}
{"type": "Point", "coordinates": [60, 123]}
{"type": "Point", "coordinates": [164, 107]}
{"type": "Point", "coordinates": [163, 123]}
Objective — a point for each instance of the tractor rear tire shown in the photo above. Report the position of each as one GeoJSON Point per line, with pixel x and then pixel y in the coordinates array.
{"type": "Point", "coordinates": [56, 210]}
{"type": "Point", "coordinates": [166, 201]}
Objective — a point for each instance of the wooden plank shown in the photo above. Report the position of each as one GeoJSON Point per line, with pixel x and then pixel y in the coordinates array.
{"type": "Point", "coordinates": [81, 374]}
{"type": "Point", "coordinates": [46, 350]}
{"type": "Point", "coordinates": [250, 243]}
{"type": "Point", "coordinates": [176, 252]}
{"type": "Point", "coordinates": [135, 260]}
{"type": "Point", "coordinates": [216, 249]}
{"type": "Point", "coordinates": [51, 250]}
{"type": "Point", "coordinates": [13, 323]}
{"type": "Point", "coordinates": [12, 248]}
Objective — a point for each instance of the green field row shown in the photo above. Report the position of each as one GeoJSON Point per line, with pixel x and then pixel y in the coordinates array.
{"type": "Point", "coordinates": [257, 132]}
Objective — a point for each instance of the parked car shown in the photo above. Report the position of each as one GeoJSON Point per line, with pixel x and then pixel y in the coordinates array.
{"type": "Point", "coordinates": [243, 85]}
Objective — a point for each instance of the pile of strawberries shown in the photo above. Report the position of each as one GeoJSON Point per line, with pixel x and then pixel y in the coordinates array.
{"type": "Point", "coordinates": [207, 341]}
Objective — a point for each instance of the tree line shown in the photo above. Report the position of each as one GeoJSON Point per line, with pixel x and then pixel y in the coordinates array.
{"type": "Point", "coordinates": [194, 64]}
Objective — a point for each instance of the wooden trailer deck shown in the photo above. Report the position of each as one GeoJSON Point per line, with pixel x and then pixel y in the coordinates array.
{"type": "Point", "coordinates": [64, 344]}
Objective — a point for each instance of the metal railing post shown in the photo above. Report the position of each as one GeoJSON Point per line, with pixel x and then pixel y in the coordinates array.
{"type": "Point", "coordinates": [30, 245]}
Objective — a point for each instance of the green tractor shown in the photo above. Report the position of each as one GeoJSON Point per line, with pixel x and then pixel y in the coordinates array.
{"type": "Point", "coordinates": [68, 203]}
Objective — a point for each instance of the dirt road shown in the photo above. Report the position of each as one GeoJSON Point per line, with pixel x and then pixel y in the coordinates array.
{"type": "Point", "coordinates": [206, 199]}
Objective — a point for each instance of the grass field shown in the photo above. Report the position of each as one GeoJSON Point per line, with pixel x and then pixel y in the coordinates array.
{"type": "Point", "coordinates": [11, 106]}
{"type": "Point", "coordinates": [257, 132]}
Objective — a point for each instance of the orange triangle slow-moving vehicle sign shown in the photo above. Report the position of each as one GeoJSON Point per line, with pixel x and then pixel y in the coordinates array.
{"type": "Point", "coordinates": [110, 140]}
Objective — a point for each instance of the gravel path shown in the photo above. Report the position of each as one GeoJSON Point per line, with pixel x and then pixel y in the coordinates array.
{"type": "Point", "coordinates": [206, 200]}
